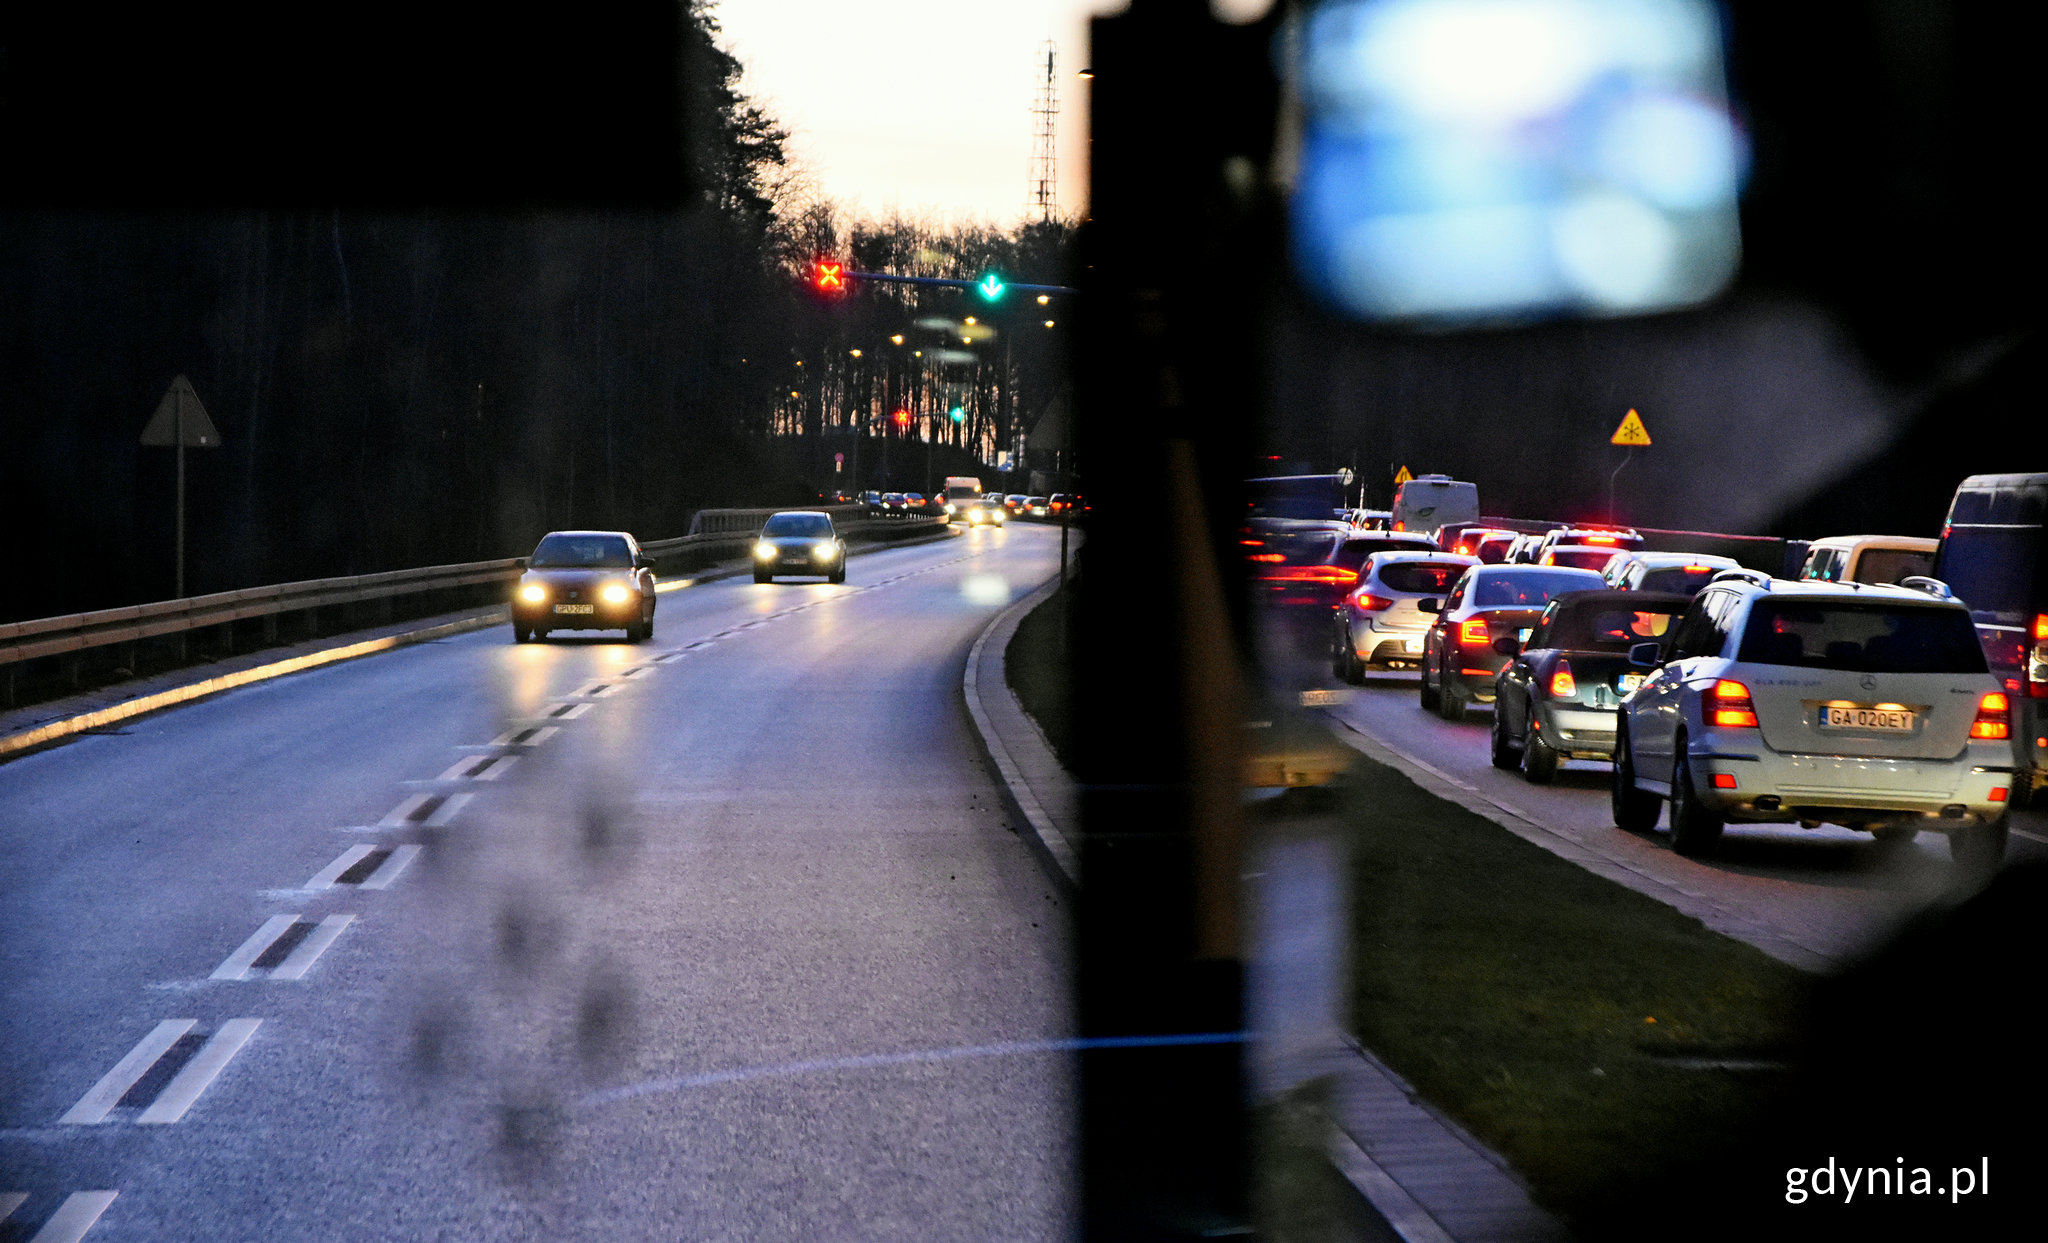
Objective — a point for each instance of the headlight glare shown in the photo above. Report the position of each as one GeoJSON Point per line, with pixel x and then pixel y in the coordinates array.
{"type": "Point", "coordinates": [825, 550]}
{"type": "Point", "coordinates": [764, 550]}
{"type": "Point", "coordinates": [616, 593]}
{"type": "Point", "coordinates": [533, 593]}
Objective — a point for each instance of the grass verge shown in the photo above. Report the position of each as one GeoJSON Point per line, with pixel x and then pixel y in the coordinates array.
{"type": "Point", "coordinates": [1035, 665]}
{"type": "Point", "coordinates": [1568, 1022]}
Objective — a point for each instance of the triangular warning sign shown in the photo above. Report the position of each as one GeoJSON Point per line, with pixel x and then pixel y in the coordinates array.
{"type": "Point", "coordinates": [1402, 476]}
{"type": "Point", "coordinates": [1631, 432]}
{"type": "Point", "coordinates": [180, 410]}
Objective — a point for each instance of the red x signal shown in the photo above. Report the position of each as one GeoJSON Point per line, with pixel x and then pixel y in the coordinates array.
{"type": "Point", "coordinates": [829, 276]}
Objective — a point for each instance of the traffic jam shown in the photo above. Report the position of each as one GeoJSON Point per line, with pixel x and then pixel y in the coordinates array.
{"type": "Point", "coordinates": [1891, 685]}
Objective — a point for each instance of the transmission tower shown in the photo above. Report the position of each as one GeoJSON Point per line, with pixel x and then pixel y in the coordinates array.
{"type": "Point", "coordinates": [1045, 160]}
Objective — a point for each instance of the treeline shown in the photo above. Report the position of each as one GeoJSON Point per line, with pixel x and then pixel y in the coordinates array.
{"type": "Point", "coordinates": [408, 388]}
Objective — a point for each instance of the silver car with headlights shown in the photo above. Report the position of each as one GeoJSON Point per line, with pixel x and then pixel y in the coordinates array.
{"type": "Point", "coordinates": [1377, 625]}
{"type": "Point", "coordinates": [799, 541]}
{"type": "Point", "coordinates": [585, 580]}
{"type": "Point", "coordinates": [1779, 702]}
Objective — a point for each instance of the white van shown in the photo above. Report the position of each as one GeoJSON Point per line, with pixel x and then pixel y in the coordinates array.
{"type": "Point", "coordinates": [1429, 503]}
{"type": "Point", "coordinates": [1868, 558]}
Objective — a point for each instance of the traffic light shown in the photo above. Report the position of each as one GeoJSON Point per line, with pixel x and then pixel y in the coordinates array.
{"type": "Point", "coordinates": [991, 286]}
{"type": "Point", "coordinates": [902, 418]}
{"type": "Point", "coordinates": [828, 276]}
{"type": "Point", "coordinates": [959, 414]}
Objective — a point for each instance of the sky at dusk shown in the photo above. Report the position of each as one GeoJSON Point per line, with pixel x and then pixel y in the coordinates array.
{"type": "Point", "coordinates": [919, 106]}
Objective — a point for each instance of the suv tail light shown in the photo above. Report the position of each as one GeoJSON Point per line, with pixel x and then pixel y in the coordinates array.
{"type": "Point", "coordinates": [1473, 631]}
{"type": "Point", "coordinates": [1994, 717]}
{"type": "Point", "coordinates": [1561, 684]}
{"type": "Point", "coordinates": [2037, 660]}
{"type": "Point", "coordinates": [1369, 603]}
{"type": "Point", "coordinates": [1728, 703]}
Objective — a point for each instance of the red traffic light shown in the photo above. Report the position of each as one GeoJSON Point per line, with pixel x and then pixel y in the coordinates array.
{"type": "Point", "coordinates": [829, 276]}
{"type": "Point", "coordinates": [903, 418]}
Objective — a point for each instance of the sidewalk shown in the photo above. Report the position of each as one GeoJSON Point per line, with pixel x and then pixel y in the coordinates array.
{"type": "Point", "coordinates": [1422, 1176]}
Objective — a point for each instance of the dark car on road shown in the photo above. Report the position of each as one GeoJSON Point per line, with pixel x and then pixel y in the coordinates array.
{"type": "Point", "coordinates": [1458, 656]}
{"type": "Point", "coordinates": [1559, 695]}
{"type": "Point", "coordinates": [1316, 569]}
{"type": "Point", "coordinates": [799, 541]}
{"type": "Point", "coordinates": [585, 580]}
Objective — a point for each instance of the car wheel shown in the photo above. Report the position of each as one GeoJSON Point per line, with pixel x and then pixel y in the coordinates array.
{"type": "Point", "coordinates": [1539, 760]}
{"type": "Point", "coordinates": [1979, 849]}
{"type": "Point", "coordinates": [1450, 702]}
{"type": "Point", "coordinates": [1339, 640]}
{"type": "Point", "coordinates": [1635, 811]}
{"type": "Point", "coordinates": [1429, 697]}
{"type": "Point", "coordinates": [636, 633]}
{"type": "Point", "coordinates": [1504, 756]}
{"type": "Point", "coordinates": [839, 575]}
{"type": "Point", "coordinates": [1695, 830]}
{"type": "Point", "coordinates": [763, 576]}
{"type": "Point", "coordinates": [522, 634]}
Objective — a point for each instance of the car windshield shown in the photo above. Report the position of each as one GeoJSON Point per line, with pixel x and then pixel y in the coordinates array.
{"type": "Point", "coordinates": [582, 552]}
{"type": "Point", "coordinates": [1889, 565]}
{"type": "Point", "coordinates": [1603, 627]}
{"type": "Point", "coordinates": [1527, 589]}
{"type": "Point", "coordinates": [1861, 638]}
{"type": "Point", "coordinates": [797, 526]}
{"type": "Point", "coordinates": [1430, 578]}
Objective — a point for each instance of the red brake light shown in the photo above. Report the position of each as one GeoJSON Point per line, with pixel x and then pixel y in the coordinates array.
{"type": "Point", "coordinates": [1562, 686]}
{"type": "Point", "coordinates": [1400, 526]}
{"type": "Point", "coordinates": [1473, 631]}
{"type": "Point", "coordinates": [1994, 717]}
{"type": "Point", "coordinates": [1724, 781]}
{"type": "Point", "coordinates": [2041, 627]}
{"type": "Point", "coordinates": [1731, 705]}
{"type": "Point", "coordinates": [1601, 539]}
{"type": "Point", "coordinates": [2000, 794]}
{"type": "Point", "coordinates": [1371, 603]}
{"type": "Point", "coordinates": [1267, 556]}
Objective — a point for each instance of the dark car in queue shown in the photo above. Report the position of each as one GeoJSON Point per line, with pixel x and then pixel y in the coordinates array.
{"type": "Point", "coordinates": [1683, 572]}
{"type": "Point", "coordinates": [1377, 625]}
{"type": "Point", "coordinates": [1317, 569]}
{"type": "Point", "coordinates": [986, 511]}
{"type": "Point", "coordinates": [585, 580]}
{"type": "Point", "coordinates": [1579, 556]}
{"type": "Point", "coordinates": [894, 505]}
{"type": "Point", "coordinates": [1458, 656]}
{"type": "Point", "coordinates": [1559, 695]}
{"type": "Point", "coordinates": [799, 541]}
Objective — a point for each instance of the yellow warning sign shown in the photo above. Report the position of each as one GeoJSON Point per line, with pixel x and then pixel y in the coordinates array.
{"type": "Point", "coordinates": [1631, 432]}
{"type": "Point", "coordinates": [1402, 477]}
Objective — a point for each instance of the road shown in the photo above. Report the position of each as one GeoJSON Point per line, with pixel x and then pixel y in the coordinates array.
{"type": "Point", "coordinates": [1816, 898]}
{"type": "Point", "coordinates": [704, 938]}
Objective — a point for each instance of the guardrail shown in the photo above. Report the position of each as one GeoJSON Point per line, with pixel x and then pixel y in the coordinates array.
{"type": "Point", "coordinates": [78, 632]}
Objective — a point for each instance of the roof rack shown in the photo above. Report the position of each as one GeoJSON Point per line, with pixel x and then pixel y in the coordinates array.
{"type": "Point", "coordinates": [1932, 586]}
{"type": "Point", "coordinates": [1744, 574]}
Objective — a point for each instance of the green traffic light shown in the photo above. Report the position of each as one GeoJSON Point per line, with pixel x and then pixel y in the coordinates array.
{"type": "Point", "coordinates": [991, 286]}
{"type": "Point", "coordinates": [959, 415]}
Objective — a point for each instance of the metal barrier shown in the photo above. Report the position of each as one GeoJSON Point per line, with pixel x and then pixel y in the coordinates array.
{"type": "Point", "coordinates": [76, 632]}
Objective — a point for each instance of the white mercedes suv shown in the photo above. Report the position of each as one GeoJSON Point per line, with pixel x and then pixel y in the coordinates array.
{"type": "Point", "coordinates": [1818, 703]}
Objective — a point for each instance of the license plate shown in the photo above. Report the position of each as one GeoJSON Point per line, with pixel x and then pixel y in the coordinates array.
{"type": "Point", "coordinates": [1628, 682]}
{"type": "Point", "coordinates": [1884, 720]}
{"type": "Point", "coordinates": [1412, 645]}
{"type": "Point", "coordinates": [575, 608]}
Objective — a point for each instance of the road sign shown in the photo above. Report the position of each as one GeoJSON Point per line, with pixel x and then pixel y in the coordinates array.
{"type": "Point", "coordinates": [838, 462]}
{"type": "Point", "coordinates": [1402, 476]}
{"type": "Point", "coordinates": [1631, 432]}
{"type": "Point", "coordinates": [180, 419]}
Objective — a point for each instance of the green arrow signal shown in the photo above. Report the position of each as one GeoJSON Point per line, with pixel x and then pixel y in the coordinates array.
{"type": "Point", "coordinates": [991, 286]}
{"type": "Point", "coordinates": [959, 415]}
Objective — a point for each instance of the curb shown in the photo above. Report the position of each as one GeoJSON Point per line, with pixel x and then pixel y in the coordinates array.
{"type": "Point", "coordinates": [985, 670]}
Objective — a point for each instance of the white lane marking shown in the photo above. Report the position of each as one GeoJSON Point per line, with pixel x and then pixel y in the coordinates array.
{"type": "Point", "coordinates": [243, 960]}
{"type": "Point", "coordinates": [461, 768]}
{"type": "Point", "coordinates": [447, 810]}
{"type": "Point", "coordinates": [94, 1106]}
{"type": "Point", "coordinates": [489, 770]}
{"type": "Point", "coordinates": [10, 1201]}
{"type": "Point", "coordinates": [325, 877]}
{"type": "Point", "coordinates": [535, 735]}
{"type": "Point", "coordinates": [388, 871]}
{"type": "Point", "coordinates": [2029, 833]}
{"type": "Point", "coordinates": [74, 1217]}
{"type": "Point", "coordinates": [593, 690]}
{"type": "Point", "coordinates": [640, 671]}
{"type": "Point", "coordinates": [402, 813]}
{"type": "Point", "coordinates": [200, 1072]}
{"type": "Point", "coordinates": [568, 711]}
{"type": "Point", "coordinates": [300, 960]}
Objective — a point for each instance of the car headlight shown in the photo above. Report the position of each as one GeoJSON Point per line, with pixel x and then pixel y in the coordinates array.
{"type": "Point", "coordinates": [616, 593]}
{"type": "Point", "coordinates": [764, 550]}
{"type": "Point", "coordinates": [825, 550]}
{"type": "Point", "coordinates": [533, 593]}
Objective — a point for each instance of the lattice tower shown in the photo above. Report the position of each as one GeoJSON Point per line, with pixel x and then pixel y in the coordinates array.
{"type": "Point", "coordinates": [1045, 160]}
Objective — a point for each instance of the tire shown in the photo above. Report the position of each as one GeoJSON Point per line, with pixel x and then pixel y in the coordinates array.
{"type": "Point", "coordinates": [1339, 640]}
{"type": "Point", "coordinates": [636, 633]}
{"type": "Point", "coordinates": [763, 576]}
{"type": "Point", "coordinates": [1695, 831]}
{"type": "Point", "coordinates": [522, 634]}
{"type": "Point", "coordinates": [540, 634]}
{"type": "Point", "coordinates": [1450, 703]}
{"type": "Point", "coordinates": [1635, 811]}
{"type": "Point", "coordinates": [647, 626]}
{"type": "Point", "coordinates": [1979, 849]}
{"type": "Point", "coordinates": [1349, 668]}
{"type": "Point", "coordinates": [1539, 761]}
{"type": "Point", "coordinates": [1429, 697]}
{"type": "Point", "coordinates": [1504, 757]}
{"type": "Point", "coordinates": [839, 575]}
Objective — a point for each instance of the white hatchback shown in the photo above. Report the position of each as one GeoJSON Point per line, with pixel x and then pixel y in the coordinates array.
{"type": "Point", "coordinates": [1811, 703]}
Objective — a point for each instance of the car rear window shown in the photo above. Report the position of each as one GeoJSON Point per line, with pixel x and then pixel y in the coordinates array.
{"type": "Point", "coordinates": [1686, 578]}
{"type": "Point", "coordinates": [1355, 551]}
{"type": "Point", "coordinates": [1861, 638]}
{"type": "Point", "coordinates": [1582, 558]}
{"type": "Point", "coordinates": [1889, 565]}
{"type": "Point", "coordinates": [1605, 628]}
{"type": "Point", "coordinates": [798, 526]}
{"type": "Point", "coordinates": [1428, 577]}
{"type": "Point", "coordinates": [582, 552]}
{"type": "Point", "coordinates": [1527, 590]}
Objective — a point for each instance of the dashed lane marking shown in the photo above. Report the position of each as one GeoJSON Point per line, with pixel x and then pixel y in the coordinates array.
{"type": "Point", "coordinates": [199, 1073]}
{"type": "Point", "coordinates": [392, 867]}
{"type": "Point", "coordinates": [568, 711]}
{"type": "Point", "coordinates": [526, 736]}
{"type": "Point", "coordinates": [326, 877]}
{"type": "Point", "coordinates": [301, 960]}
{"type": "Point", "coordinates": [427, 808]}
{"type": "Point", "coordinates": [242, 964]}
{"type": "Point", "coordinates": [238, 964]}
{"type": "Point", "coordinates": [71, 1220]}
{"type": "Point", "coordinates": [94, 1106]}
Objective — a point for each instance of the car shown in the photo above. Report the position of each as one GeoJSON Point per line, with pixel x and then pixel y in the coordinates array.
{"type": "Point", "coordinates": [1487, 602]}
{"type": "Point", "coordinates": [1522, 551]}
{"type": "Point", "coordinates": [1685, 572]}
{"type": "Point", "coordinates": [894, 505]}
{"type": "Point", "coordinates": [584, 580]}
{"type": "Point", "coordinates": [1772, 701]}
{"type": "Point", "coordinates": [1614, 539]}
{"type": "Point", "coordinates": [1060, 503]}
{"type": "Point", "coordinates": [1492, 548]}
{"type": "Point", "coordinates": [1016, 503]}
{"type": "Point", "coordinates": [1578, 556]}
{"type": "Point", "coordinates": [1868, 558]}
{"type": "Point", "coordinates": [1994, 555]}
{"type": "Point", "coordinates": [1377, 625]}
{"type": "Point", "coordinates": [1464, 539]}
{"type": "Point", "coordinates": [1560, 693]}
{"type": "Point", "coordinates": [799, 541]}
{"type": "Point", "coordinates": [914, 503]}
{"type": "Point", "coordinates": [873, 500]}
{"type": "Point", "coordinates": [986, 512]}
{"type": "Point", "coordinates": [1036, 506]}
{"type": "Point", "coordinates": [1316, 567]}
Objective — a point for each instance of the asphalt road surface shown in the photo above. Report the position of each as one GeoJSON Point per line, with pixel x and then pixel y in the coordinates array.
{"type": "Point", "coordinates": [720, 936]}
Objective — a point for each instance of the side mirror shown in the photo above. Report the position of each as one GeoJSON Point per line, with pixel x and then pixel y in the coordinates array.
{"type": "Point", "coordinates": [521, 562]}
{"type": "Point", "coordinates": [1430, 604]}
{"type": "Point", "coordinates": [1646, 655]}
{"type": "Point", "coordinates": [1508, 645]}
{"type": "Point", "coordinates": [641, 561]}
